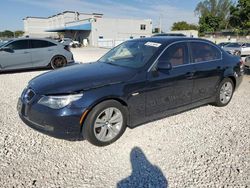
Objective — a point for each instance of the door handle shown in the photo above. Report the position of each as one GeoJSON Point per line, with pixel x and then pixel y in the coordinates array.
{"type": "Point", "coordinates": [25, 52]}
{"type": "Point", "coordinates": [219, 67]}
{"type": "Point", "coordinates": [190, 75]}
{"type": "Point", "coordinates": [50, 50]}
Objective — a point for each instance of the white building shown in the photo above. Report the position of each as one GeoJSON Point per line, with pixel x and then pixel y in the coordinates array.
{"type": "Point", "coordinates": [99, 31]}
{"type": "Point", "coordinates": [188, 33]}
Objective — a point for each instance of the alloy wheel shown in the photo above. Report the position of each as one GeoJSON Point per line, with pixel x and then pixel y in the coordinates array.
{"type": "Point", "coordinates": [226, 92]}
{"type": "Point", "coordinates": [108, 124]}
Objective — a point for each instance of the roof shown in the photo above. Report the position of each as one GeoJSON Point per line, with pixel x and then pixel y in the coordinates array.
{"type": "Point", "coordinates": [168, 39]}
{"type": "Point", "coordinates": [94, 14]}
{"type": "Point", "coordinates": [80, 27]}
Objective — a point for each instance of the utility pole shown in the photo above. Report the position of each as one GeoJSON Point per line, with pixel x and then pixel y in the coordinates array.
{"type": "Point", "coordinates": [160, 24]}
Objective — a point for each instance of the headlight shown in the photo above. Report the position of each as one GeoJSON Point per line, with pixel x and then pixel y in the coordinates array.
{"type": "Point", "coordinates": [57, 102]}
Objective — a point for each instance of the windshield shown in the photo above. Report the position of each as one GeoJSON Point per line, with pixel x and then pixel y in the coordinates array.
{"type": "Point", "coordinates": [4, 42]}
{"type": "Point", "coordinates": [132, 54]}
{"type": "Point", "coordinates": [233, 45]}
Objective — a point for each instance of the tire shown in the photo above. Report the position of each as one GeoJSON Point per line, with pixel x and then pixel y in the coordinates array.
{"type": "Point", "coordinates": [224, 93]}
{"type": "Point", "coordinates": [58, 62]}
{"type": "Point", "coordinates": [98, 128]}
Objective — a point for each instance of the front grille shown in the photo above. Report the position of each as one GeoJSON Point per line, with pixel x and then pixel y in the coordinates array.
{"type": "Point", "coordinates": [28, 95]}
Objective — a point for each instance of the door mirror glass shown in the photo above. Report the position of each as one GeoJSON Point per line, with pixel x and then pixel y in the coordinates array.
{"type": "Point", "coordinates": [164, 65]}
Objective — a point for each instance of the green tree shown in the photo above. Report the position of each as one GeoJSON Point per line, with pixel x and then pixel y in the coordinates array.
{"type": "Point", "coordinates": [209, 23]}
{"type": "Point", "coordinates": [240, 16]}
{"type": "Point", "coordinates": [19, 33]}
{"type": "Point", "coordinates": [177, 26]}
{"type": "Point", "coordinates": [7, 33]}
{"type": "Point", "coordinates": [213, 14]}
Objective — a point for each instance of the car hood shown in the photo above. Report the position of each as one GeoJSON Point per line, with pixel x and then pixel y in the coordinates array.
{"type": "Point", "coordinates": [80, 77]}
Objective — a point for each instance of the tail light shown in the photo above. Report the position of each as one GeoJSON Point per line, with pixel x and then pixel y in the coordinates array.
{"type": "Point", "coordinates": [242, 65]}
{"type": "Point", "coordinates": [67, 48]}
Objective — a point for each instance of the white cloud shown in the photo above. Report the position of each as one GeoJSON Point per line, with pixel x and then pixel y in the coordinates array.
{"type": "Point", "coordinates": [145, 9]}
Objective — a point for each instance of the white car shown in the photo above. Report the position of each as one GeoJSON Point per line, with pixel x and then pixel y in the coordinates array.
{"type": "Point", "coordinates": [240, 49]}
{"type": "Point", "coordinates": [247, 62]}
{"type": "Point", "coordinates": [70, 42]}
{"type": "Point", "coordinates": [23, 53]}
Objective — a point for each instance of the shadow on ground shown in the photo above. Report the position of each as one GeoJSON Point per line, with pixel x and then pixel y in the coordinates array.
{"type": "Point", "coordinates": [34, 69]}
{"type": "Point", "coordinates": [25, 70]}
{"type": "Point", "coordinates": [144, 174]}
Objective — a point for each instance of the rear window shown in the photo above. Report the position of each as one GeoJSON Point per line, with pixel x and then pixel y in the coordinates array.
{"type": "Point", "coordinates": [41, 44]}
{"type": "Point", "coordinates": [202, 52]}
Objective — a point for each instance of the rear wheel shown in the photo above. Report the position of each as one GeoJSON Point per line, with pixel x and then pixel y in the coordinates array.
{"type": "Point", "coordinates": [224, 92]}
{"type": "Point", "coordinates": [105, 123]}
{"type": "Point", "coordinates": [58, 62]}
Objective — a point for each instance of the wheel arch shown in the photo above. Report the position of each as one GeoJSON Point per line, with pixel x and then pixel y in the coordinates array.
{"type": "Point", "coordinates": [118, 99]}
{"type": "Point", "coordinates": [57, 55]}
{"type": "Point", "coordinates": [233, 79]}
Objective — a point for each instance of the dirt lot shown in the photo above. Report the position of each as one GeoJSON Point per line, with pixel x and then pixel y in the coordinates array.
{"type": "Point", "coordinates": [204, 147]}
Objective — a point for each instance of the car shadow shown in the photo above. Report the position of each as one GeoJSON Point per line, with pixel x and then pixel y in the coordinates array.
{"type": "Point", "coordinates": [247, 71]}
{"type": "Point", "coordinates": [144, 174]}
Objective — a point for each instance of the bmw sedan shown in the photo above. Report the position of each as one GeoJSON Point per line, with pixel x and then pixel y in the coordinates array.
{"type": "Point", "coordinates": [136, 82]}
{"type": "Point", "coordinates": [26, 53]}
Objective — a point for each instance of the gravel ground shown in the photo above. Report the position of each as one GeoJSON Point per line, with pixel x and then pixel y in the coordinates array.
{"type": "Point", "coordinates": [204, 147]}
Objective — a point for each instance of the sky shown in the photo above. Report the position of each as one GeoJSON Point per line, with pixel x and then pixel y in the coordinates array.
{"type": "Point", "coordinates": [13, 11]}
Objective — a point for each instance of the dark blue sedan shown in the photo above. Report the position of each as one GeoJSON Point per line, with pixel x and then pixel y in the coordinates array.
{"type": "Point", "coordinates": [136, 82]}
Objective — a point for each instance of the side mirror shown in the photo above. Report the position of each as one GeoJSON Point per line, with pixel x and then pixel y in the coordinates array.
{"type": "Point", "coordinates": [6, 49]}
{"type": "Point", "coordinates": [164, 65]}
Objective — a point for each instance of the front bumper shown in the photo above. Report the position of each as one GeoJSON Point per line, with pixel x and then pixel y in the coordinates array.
{"type": "Point", "coordinates": [63, 123]}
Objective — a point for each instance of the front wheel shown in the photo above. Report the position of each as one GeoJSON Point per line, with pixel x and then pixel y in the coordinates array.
{"type": "Point", "coordinates": [105, 123]}
{"type": "Point", "coordinates": [225, 92]}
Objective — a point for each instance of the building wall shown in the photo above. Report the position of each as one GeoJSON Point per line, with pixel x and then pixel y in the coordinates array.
{"type": "Point", "coordinates": [119, 29]}
{"type": "Point", "coordinates": [188, 33]}
{"type": "Point", "coordinates": [35, 27]}
{"type": "Point", "coordinates": [107, 28]}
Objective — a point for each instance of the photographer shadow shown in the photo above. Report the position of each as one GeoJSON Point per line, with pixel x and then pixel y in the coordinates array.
{"type": "Point", "coordinates": [144, 174]}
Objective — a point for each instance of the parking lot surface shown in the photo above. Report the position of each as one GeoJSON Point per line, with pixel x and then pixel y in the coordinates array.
{"type": "Point", "coordinates": [206, 146]}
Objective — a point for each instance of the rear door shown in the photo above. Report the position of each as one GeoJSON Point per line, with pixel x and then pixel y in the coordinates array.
{"type": "Point", "coordinates": [209, 68]}
{"type": "Point", "coordinates": [18, 56]}
{"type": "Point", "coordinates": [41, 52]}
{"type": "Point", "coordinates": [167, 89]}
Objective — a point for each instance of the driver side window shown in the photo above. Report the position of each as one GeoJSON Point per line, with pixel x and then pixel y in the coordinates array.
{"type": "Point", "coordinates": [19, 45]}
{"type": "Point", "coordinates": [175, 54]}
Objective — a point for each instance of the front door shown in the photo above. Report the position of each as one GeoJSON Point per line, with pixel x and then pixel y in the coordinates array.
{"type": "Point", "coordinates": [17, 56]}
{"type": "Point", "coordinates": [41, 52]}
{"type": "Point", "coordinates": [168, 89]}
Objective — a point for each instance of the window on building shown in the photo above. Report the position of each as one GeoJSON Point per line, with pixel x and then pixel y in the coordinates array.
{"type": "Point", "coordinates": [143, 27]}
{"type": "Point", "coordinates": [142, 37]}
{"type": "Point", "coordinates": [100, 37]}
{"type": "Point", "coordinates": [202, 52]}
{"type": "Point", "coordinates": [19, 45]}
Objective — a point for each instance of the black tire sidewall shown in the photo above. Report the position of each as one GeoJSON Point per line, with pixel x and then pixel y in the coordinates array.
{"type": "Point", "coordinates": [88, 130]}
{"type": "Point", "coordinates": [218, 102]}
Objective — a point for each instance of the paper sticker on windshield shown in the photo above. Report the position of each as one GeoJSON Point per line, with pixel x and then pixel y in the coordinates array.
{"type": "Point", "coordinates": [153, 44]}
